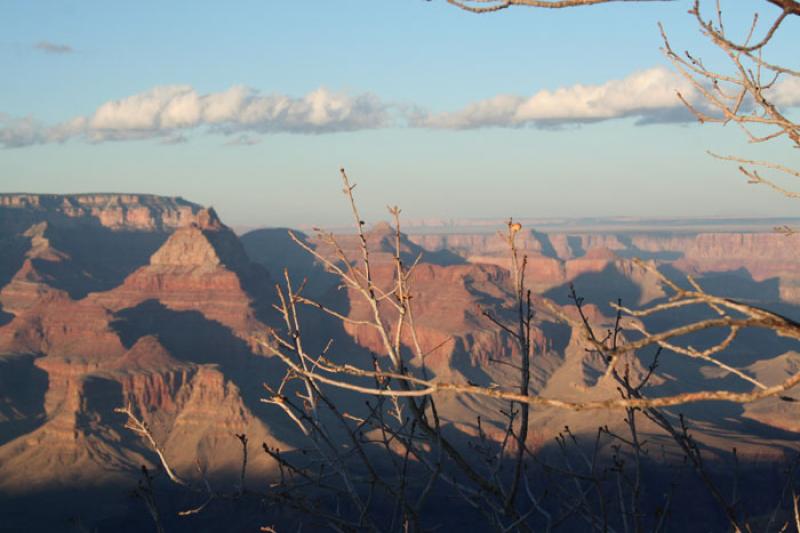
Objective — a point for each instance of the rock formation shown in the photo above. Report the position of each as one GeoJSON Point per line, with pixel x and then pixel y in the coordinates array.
{"type": "Point", "coordinates": [112, 300]}
{"type": "Point", "coordinates": [114, 211]}
{"type": "Point", "coordinates": [201, 267]}
{"type": "Point", "coordinates": [83, 355]}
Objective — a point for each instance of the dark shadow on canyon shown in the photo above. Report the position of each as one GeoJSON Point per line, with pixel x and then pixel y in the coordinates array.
{"type": "Point", "coordinates": [23, 386]}
{"type": "Point", "coordinates": [5, 318]}
{"type": "Point", "coordinates": [12, 251]}
{"type": "Point", "coordinates": [98, 259]}
{"type": "Point", "coordinates": [599, 288]}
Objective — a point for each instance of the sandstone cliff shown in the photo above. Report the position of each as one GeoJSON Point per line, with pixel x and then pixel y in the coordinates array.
{"type": "Point", "coordinates": [557, 258]}
{"type": "Point", "coordinates": [82, 355]}
{"type": "Point", "coordinates": [114, 211]}
{"type": "Point", "coordinates": [201, 267]}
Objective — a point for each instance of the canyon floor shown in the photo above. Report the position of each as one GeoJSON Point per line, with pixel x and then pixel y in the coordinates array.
{"type": "Point", "coordinates": [109, 301]}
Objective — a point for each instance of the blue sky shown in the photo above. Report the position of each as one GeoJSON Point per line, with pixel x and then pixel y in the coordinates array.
{"type": "Point", "coordinates": [403, 88]}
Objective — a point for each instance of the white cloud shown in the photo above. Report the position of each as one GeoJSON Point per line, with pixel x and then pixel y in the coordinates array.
{"type": "Point", "coordinates": [645, 94]}
{"type": "Point", "coordinates": [170, 108]}
{"type": "Point", "coordinates": [786, 92]}
{"type": "Point", "coordinates": [167, 111]}
{"type": "Point", "coordinates": [170, 112]}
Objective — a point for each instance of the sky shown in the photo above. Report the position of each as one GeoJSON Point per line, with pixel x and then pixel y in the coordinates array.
{"type": "Point", "coordinates": [253, 106]}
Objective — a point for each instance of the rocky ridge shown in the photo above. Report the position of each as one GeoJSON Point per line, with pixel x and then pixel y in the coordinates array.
{"type": "Point", "coordinates": [113, 211]}
{"type": "Point", "coordinates": [166, 329]}
{"type": "Point", "coordinates": [104, 349]}
{"type": "Point", "coordinates": [557, 258]}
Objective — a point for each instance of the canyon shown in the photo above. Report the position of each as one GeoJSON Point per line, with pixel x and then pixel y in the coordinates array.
{"type": "Point", "coordinates": [115, 300]}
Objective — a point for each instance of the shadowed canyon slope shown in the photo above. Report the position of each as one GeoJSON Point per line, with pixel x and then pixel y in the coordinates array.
{"type": "Point", "coordinates": [168, 337]}
{"type": "Point", "coordinates": [115, 300]}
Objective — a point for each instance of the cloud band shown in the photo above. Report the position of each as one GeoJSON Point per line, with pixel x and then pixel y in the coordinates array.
{"type": "Point", "coordinates": [169, 112]}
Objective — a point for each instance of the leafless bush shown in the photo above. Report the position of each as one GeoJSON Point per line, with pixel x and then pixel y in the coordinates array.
{"type": "Point", "coordinates": [376, 467]}
{"type": "Point", "coordinates": [403, 409]}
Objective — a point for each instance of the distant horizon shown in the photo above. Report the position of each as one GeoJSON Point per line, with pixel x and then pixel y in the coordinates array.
{"type": "Point", "coordinates": [480, 224]}
{"type": "Point", "coordinates": [420, 222]}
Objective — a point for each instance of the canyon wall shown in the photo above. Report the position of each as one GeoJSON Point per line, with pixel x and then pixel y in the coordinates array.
{"type": "Point", "coordinates": [153, 303]}
{"type": "Point", "coordinates": [557, 258]}
{"type": "Point", "coordinates": [114, 211]}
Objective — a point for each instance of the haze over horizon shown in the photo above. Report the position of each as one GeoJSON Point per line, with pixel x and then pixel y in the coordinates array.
{"type": "Point", "coordinates": [253, 110]}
